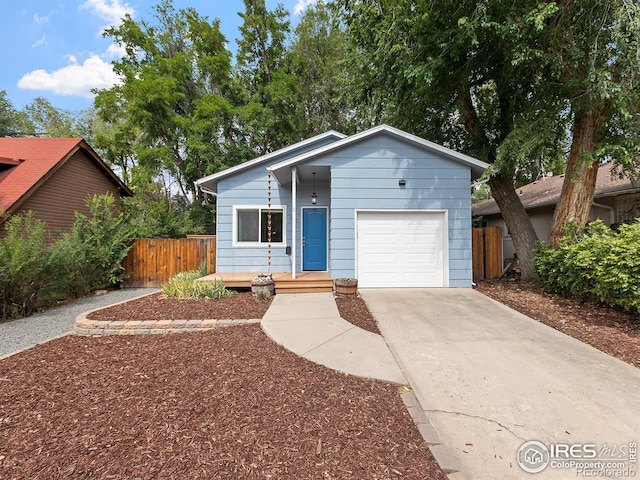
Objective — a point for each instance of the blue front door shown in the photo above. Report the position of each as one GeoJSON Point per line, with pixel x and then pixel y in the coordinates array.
{"type": "Point", "coordinates": [314, 239]}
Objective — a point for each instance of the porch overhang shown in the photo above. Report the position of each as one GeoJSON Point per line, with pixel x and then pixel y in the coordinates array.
{"type": "Point", "coordinates": [304, 173]}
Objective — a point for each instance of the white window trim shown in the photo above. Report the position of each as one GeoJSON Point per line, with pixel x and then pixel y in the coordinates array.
{"type": "Point", "coordinates": [234, 231]}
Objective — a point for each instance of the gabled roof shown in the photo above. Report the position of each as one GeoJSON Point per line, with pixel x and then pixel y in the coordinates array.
{"type": "Point", "coordinates": [210, 183]}
{"type": "Point", "coordinates": [26, 163]}
{"type": "Point", "coordinates": [546, 191]}
{"type": "Point", "coordinates": [281, 170]}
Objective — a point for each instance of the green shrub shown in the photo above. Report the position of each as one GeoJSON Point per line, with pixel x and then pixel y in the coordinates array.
{"type": "Point", "coordinates": [25, 266]}
{"type": "Point", "coordinates": [262, 295]}
{"type": "Point", "coordinates": [595, 263]}
{"type": "Point", "coordinates": [183, 285]}
{"type": "Point", "coordinates": [89, 256]}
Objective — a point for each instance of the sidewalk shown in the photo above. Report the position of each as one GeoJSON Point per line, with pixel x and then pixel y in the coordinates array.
{"type": "Point", "coordinates": [310, 325]}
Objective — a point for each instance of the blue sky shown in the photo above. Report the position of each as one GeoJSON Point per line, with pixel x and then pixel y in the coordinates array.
{"type": "Point", "coordinates": [55, 49]}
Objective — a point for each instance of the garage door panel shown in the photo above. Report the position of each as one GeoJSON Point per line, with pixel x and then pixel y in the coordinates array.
{"type": "Point", "coordinates": [376, 260]}
{"type": "Point", "coordinates": [401, 249]}
{"type": "Point", "coordinates": [416, 263]}
{"type": "Point", "coordinates": [380, 241]}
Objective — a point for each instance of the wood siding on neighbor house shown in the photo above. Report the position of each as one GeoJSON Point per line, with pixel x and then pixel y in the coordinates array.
{"type": "Point", "coordinates": [66, 191]}
{"type": "Point", "coordinates": [542, 221]}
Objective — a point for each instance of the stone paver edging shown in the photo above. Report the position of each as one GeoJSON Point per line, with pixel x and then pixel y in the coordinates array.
{"type": "Point", "coordinates": [98, 328]}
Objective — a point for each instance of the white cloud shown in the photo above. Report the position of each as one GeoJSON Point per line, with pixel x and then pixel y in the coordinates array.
{"type": "Point", "coordinates": [110, 10]}
{"type": "Point", "coordinates": [74, 79]}
{"type": "Point", "coordinates": [115, 51]}
{"type": "Point", "coordinates": [38, 19]}
{"type": "Point", "coordinates": [40, 42]}
{"type": "Point", "coordinates": [302, 4]}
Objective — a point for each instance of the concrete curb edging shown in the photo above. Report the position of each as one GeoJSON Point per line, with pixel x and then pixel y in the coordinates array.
{"type": "Point", "coordinates": [448, 463]}
{"type": "Point", "coordinates": [99, 328]}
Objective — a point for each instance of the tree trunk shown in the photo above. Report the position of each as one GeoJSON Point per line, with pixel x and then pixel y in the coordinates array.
{"type": "Point", "coordinates": [502, 189]}
{"type": "Point", "coordinates": [518, 222]}
{"type": "Point", "coordinates": [580, 178]}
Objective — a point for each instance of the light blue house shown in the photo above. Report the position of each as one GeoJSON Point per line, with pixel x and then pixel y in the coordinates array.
{"type": "Point", "coordinates": [384, 206]}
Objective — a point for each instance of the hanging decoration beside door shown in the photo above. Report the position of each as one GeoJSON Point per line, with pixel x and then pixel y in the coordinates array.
{"type": "Point", "coordinates": [269, 222]}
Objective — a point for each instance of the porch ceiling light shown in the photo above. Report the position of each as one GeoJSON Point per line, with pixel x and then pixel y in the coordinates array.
{"type": "Point", "coordinates": [314, 197]}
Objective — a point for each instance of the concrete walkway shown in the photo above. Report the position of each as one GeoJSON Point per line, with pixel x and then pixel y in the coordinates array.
{"type": "Point", "coordinates": [490, 379]}
{"type": "Point", "coordinates": [310, 325]}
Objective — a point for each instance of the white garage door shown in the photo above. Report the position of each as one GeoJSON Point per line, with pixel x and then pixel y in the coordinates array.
{"type": "Point", "coordinates": [401, 249]}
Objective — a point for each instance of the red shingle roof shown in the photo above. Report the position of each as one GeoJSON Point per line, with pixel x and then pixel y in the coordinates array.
{"type": "Point", "coordinates": [36, 159]}
{"type": "Point", "coordinates": [547, 191]}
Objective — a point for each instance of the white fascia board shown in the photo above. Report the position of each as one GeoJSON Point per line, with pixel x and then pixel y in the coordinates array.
{"type": "Point", "coordinates": [476, 165]}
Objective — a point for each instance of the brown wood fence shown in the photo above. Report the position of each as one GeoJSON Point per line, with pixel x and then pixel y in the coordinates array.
{"type": "Point", "coordinates": [486, 253]}
{"type": "Point", "coordinates": [153, 261]}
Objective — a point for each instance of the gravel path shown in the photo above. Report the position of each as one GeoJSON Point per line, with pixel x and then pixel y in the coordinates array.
{"type": "Point", "coordinates": [24, 333]}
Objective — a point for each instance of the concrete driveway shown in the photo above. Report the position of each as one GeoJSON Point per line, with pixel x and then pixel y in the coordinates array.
{"type": "Point", "coordinates": [490, 379]}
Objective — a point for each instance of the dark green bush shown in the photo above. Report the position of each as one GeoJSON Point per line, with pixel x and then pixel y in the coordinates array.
{"type": "Point", "coordinates": [595, 263]}
{"type": "Point", "coordinates": [25, 266]}
{"type": "Point", "coordinates": [87, 257]}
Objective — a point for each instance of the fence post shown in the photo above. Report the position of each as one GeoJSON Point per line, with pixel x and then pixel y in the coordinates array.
{"type": "Point", "coordinates": [486, 252]}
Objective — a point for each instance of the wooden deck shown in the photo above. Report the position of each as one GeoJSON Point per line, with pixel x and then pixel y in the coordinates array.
{"type": "Point", "coordinates": [305, 282]}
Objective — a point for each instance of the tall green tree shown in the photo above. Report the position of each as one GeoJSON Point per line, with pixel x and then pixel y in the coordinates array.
{"type": "Point", "coordinates": [323, 57]}
{"type": "Point", "coordinates": [594, 64]}
{"type": "Point", "coordinates": [466, 75]}
{"type": "Point", "coordinates": [267, 90]}
{"type": "Point", "coordinates": [170, 110]}
{"type": "Point", "coordinates": [8, 116]}
{"type": "Point", "coordinates": [41, 119]}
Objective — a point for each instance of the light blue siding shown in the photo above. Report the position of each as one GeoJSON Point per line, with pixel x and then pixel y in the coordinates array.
{"type": "Point", "coordinates": [364, 176]}
{"type": "Point", "coordinates": [250, 187]}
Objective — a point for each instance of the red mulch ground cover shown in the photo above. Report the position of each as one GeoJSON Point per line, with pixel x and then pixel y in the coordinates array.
{"type": "Point", "coordinates": [230, 403]}
{"type": "Point", "coordinates": [613, 331]}
{"type": "Point", "coordinates": [242, 305]}
{"type": "Point", "coordinates": [353, 309]}
{"type": "Point", "coordinates": [224, 404]}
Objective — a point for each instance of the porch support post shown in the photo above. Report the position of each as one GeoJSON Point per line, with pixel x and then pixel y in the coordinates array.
{"type": "Point", "coordinates": [294, 208]}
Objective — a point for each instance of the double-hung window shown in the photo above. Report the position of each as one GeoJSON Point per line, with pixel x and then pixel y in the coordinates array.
{"type": "Point", "coordinates": [251, 225]}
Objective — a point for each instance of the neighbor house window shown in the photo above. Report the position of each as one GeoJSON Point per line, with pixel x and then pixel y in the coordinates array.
{"type": "Point", "coordinates": [252, 225]}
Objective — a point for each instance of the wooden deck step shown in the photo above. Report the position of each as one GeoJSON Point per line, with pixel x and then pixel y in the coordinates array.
{"type": "Point", "coordinates": [307, 282]}
{"type": "Point", "coordinates": [304, 286]}
{"type": "Point", "coordinates": [303, 290]}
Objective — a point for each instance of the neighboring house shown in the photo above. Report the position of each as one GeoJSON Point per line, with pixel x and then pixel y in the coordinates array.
{"type": "Point", "coordinates": [615, 201]}
{"type": "Point", "coordinates": [387, 207]}
{"type": "Point", "coordinates": [53, 177]}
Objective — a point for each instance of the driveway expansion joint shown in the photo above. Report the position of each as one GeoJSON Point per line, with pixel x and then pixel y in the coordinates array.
{"type": "Point", "coordinates": [327, 341]}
